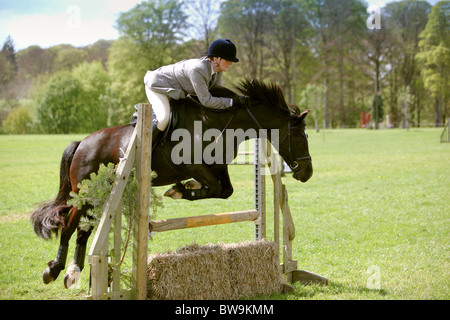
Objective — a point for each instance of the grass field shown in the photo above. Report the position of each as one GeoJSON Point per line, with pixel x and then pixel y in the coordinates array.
{"type": "Point", "coordinates": [373, 219]}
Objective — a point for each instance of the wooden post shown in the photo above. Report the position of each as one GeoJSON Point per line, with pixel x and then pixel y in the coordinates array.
{"type": "Point", "coordinates": [139, 149]}
{"type": "Point", "coordinates": [140, 226]}
{"type": "Point", "coordinates": [122, 173]}
{"type": "Point", "coordinates": [260, 192]}
{"type": "Point", "coordinates": [99, 272]}
{"type": "Point", "coordinates": [99, 248]}
{"type": "Point", "coordinates": [117, 248]}
{"type": "Point", "coordinates": [272, 164]}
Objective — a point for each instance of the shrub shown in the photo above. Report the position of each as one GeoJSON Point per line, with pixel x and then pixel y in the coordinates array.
{"type": "Point", "coordinates": [19, 121]}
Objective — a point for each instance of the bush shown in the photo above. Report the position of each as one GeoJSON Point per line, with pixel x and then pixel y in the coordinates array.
{"type": "Point", "coordinates": [19, 121]}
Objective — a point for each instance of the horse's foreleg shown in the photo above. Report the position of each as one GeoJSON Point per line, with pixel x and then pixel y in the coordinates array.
{"type": "Point", "coordinates": [73, 272]}
{"type": "Point", "coordinates": [176, 192]}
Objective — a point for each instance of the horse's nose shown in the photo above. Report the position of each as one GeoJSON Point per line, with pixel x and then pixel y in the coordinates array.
{"type": "Point", "coordinates": [305, 173]}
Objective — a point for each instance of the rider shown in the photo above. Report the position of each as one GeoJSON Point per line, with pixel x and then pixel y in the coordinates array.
{"type": "Point", "coordinates": [189, 77]}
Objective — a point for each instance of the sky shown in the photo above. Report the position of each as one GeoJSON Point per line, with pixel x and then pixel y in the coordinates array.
{"type": "Point", "coordinates": [77, 22]}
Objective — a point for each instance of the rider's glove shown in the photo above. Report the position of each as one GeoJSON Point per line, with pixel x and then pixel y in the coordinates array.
{"type": "Point", "coordinates": [241, 101]}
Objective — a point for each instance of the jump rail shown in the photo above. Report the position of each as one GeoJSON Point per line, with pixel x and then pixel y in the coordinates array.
{"type": "Point", "coordinates": [203, 221]}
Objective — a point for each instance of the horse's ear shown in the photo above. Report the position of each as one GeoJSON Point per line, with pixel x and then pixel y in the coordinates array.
{"type": "Point", "coordinates": [303, 114]}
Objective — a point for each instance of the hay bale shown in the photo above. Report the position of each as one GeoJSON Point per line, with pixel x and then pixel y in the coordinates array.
{"type": "Point", "coordinates": [215, 272]}
{"type": "Point", "coordinates": [180, 275]}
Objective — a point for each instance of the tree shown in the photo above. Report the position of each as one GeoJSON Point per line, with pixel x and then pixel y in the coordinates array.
{"type": "Point", "coordinates": [288, 27]}
{"type": "Point", "coordinates": [8, 64]}
{"type": "Point", "coordinates": [312, 98]}
{"type": "Point", "coordinates": [375, 49]}
{"type": "Point", "coordinates": [406, 19]}
{"type": "Point", "coordinates": [9, 52]}
{"type": "Point", "coordinates": [203, 16]}
{"type": "Point", "coordinates": [127, 64]}
{"type": "Point", "coordinates": [58, 106]}
{"type": "Point", "coordinates": [6, 72]}
{"type": "Point", "coordinates": [94, 81]}
{"type": "Point", "coordinates": [150, 33]}
{"type": "Point", "coordinates": [377, 110]}
{"type": "Point", "coordinates": [434, 56]}
{"type": "Point", "coordinates": [246, 22]}
{"type": "Point", "coordinates": [156, 26]}
{"type": "Point", "coordinates": [348, 22]}
{"type": "Point", "coordinates": [68, 57]}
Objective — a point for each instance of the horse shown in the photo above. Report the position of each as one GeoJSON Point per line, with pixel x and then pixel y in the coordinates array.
{"type": "Point", "coordinates": [264, 110]}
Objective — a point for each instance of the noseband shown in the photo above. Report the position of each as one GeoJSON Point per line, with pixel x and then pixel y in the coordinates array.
{"type": "Point", "coordinates": [295, 163]}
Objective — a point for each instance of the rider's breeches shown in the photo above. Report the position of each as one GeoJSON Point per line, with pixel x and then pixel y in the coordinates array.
{"type": "Point", "coordinates": [161, 107]}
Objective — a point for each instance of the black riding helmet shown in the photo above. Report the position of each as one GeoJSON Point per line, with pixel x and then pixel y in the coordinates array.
{"type": "Point", "coordinates": [223, 48]}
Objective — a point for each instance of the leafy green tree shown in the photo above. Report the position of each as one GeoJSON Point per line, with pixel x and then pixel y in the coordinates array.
{"type": "Point", "coordinates": [127, 66]}
{"type": "Point", "coordinates": [434, 56]}
{"type": "Point", "coordinates": [58, 106]}
{"type": "Point", "coordinates": [94, 81]}
{"type": "Point", "coordinates": [68, 57]}
{"type": "Point", "coordinates": [405, 20]}
{"type": "Point", "coordinates": [337, 27]}
{"type": "Point", "coordinates": [150, 34]}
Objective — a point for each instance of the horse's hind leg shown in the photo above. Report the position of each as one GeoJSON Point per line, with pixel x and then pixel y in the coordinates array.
{"type": "Point", "coordinates": [73, 272]}
{"type": "Point", "coordinates": [56, 266]}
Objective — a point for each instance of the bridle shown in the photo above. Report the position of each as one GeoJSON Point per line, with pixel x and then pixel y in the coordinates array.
{"type": "Point", "coordinates": [294, 163]}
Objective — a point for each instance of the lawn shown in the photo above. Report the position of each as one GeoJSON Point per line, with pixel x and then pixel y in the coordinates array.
{"type": "Point", "coordinates": [373, 219]}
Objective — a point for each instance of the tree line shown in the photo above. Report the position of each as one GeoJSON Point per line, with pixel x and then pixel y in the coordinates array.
{"type": "Point", "coordinates": [331, 56]}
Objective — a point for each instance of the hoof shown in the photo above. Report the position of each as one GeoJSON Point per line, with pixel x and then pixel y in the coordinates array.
{"type": "Point", "coordinates": [72, 276]}
{"type": "Point", "coordinates": [47, 277]}
{"type": "Point", "coordinates": [173, 193]}
{"type": "Point", "coordinates": [193, 185]}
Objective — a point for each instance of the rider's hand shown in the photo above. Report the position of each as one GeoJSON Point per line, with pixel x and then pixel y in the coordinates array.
{"type": "Point", "coordinates": [241, 101]}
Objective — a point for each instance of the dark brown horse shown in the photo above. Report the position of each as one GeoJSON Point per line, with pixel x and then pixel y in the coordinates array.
{"type": "Point", "coordinates": [265, 110]}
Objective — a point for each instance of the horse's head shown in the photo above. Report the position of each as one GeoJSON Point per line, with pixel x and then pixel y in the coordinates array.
{"type": "Point", "coordinates": [270, 111]}
{"type": "Point", "coordinates": [294, 148]}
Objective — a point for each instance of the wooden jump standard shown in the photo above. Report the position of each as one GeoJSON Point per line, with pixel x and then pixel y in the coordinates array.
{"type": "Point", "coordinates": [139, 153]}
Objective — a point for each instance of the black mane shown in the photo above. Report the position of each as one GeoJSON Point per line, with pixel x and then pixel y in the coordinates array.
{"type": "Point", "coordinates": [269, 94]}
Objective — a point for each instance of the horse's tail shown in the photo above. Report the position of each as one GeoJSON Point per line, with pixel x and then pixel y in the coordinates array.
{"type": "Point", "coordinates": [49, 216]}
